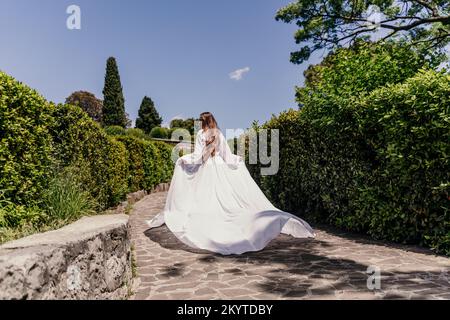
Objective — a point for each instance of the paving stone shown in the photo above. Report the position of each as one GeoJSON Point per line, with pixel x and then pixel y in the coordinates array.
{"type": "Point", "coordinates": [332, 266]}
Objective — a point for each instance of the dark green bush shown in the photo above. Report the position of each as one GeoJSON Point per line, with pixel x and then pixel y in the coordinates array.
{"type": "Point", "coordinates": [377, 164]}
{"type": "Point", "coordinates": [137, 133]}
{"type": "Point", "coordinates": [81, 141]}
{"type": "Point", "coordinates": [165, 163]}
{"type": "Point", "coordinates": [408, 128]}
{"type": "Point", "coordinates": [135, 158]}
{"type": "Point", "coordinates": [152, 168]}
{"type": "Point", "coordinates": [56, 163]}
{"type": "Point", "coordinates": [159, 133]}
{"type": "Point", "coordinates": [149, 163]}
{"type": "Point", "coordinates": [25, 142]}
{"type": "Point", "coordinates": [115, 130]}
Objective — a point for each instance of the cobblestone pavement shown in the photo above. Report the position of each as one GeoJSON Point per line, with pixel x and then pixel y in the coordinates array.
{"type": "Point", "coordinates": [332, 266]}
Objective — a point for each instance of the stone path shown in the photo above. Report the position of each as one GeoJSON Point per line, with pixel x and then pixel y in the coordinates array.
{"type": "Point", "coordinates": [332, 266]}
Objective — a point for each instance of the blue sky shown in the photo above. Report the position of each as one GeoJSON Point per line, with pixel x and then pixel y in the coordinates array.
{"type": "Point", "coordinates": [178, 52]}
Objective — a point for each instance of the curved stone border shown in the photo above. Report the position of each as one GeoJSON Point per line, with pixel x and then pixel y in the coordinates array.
{"type": "Point", "coordinates": [88, 259]}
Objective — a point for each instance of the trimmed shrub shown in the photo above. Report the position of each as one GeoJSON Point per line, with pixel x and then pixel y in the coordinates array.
{"type": "Point", "coordinates": [407, 126]}
{"type": "Point", "coordinates": [80, 141]}
{"type": "Point", "coordinates": [152, 167]}
{"type": "Point", "coordinates": [57, 164]}
{"type": "Point", "coordinates": [135, 159]}
{"type": "Point", "coordinates": [165, 163]}
{"type": "Point", "coordinates": [137, 133]}
{"type": "Point", "coordinates": [149, 163]}
{"type": "Point", "coordinates": [377, 164]}
{"type": "Point", "coordinates": [115, 130]}
{"type": "Point", "coordinates": [159, 133]}
{"type": "Point", "coordinates": [26, 146]}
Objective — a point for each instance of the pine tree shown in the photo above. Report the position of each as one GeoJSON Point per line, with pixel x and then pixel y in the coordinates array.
{"type": "Point", "coordinates": [148, 116]}
{"type": "Point", "coordinates": [113, 102]}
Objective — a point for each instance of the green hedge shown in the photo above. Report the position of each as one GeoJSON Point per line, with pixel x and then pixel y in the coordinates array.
{"type": "Point", "coordinates": [149, 162]}
{"type": "Point", "coordinates": [378, 164]}
{"type": "Point", "coordinates": [80, 141]}
{"type": "Point", "coordinates": [26, 146]}
{"type": "Point", "coordinates": [135, 158]}
{"type": "Point", "coordinates": [39, 139]}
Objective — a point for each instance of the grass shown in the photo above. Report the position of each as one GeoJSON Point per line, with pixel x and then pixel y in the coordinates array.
{"type": "Point", "coordinates": [133, 262]}
{"type": "Point", "coordinates": [65, 201]}
{"type": "Point", "coordinates": [128, 208]}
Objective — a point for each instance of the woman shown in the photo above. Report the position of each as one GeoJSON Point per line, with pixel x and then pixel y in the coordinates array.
{"type": "Point", "coordinates": [214, 204]}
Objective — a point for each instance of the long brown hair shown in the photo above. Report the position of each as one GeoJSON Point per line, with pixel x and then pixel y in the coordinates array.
{"type": "Point", "coordinates": [208, 121]}
{"type": "Point", "coordinates": [209, 124]}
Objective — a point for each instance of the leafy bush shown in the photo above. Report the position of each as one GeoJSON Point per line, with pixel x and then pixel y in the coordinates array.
{"type": "Point", "coordinates": [137, 133]}
{"type": "Point", "coordinates": [377, 164]}
{"type": "Point", "coordinates": [408, 128]}
{"type": "Point", "coordinates": [88, 102]}
{"type": "Point", "coordinates": [13, 215]}
{"type": "Point", "coordinates": [94, 169]}
{"type": "Point", "coordinates": [165, 165]}
{"type": "Point", "coordinates": [25, 142]}
{"type": "Point", "coordinates": [149, 163]}
{"type": "Point", "coordinates": [152, 167]}
{"type": "Point", "coordinates": [159, 133]}
{"type": "Point", "coordinates": [135, 159]}
{"type": "Point", "coordinates": [115, 130]}
{"type": "Point", "coordinates": [80, 141]}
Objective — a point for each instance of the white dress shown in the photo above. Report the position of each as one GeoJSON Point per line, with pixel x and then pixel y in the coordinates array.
{"type": "Point", "coordinates": [214, 204]}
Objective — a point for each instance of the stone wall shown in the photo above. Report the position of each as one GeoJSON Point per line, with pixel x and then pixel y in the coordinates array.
{"type": "Point", "coordinates": [88, 259]}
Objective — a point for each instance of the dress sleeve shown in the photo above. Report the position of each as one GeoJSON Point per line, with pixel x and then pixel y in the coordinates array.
{"type": "Point", "coordinates": [226, 154]}
{"type": "Point", "coordinates": [195, 157]}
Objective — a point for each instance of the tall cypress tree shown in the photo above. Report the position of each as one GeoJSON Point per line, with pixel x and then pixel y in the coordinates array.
{"type": "Point", "coordinates": [148, 116]}
{"type": "Point", "coordinates": [113, 102]}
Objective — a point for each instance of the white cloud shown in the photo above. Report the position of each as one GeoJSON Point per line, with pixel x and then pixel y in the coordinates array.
{"type": "Point", "coordinates": [239, 73]}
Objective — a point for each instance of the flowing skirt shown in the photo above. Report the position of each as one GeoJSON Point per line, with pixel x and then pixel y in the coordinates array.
{"type": "Point", "coordinates": [220, 208]}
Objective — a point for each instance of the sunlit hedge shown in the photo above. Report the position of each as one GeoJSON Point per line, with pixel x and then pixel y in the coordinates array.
{"type": "Point", "coordinates": [26, 148]}
{"type": "Point", "coordinates": [39, 139]}
{"type": "Point", "coordinates": [377, 164]}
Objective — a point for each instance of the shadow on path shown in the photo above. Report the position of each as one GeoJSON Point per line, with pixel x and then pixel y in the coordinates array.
{"type": "Point", "coordinates": [295, 268]}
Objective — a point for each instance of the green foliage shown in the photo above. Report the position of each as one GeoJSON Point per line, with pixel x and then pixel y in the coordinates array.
{"type": "Point", "coordinates": [377, 164]}
{"type": "Point", "coordinates": [165, 165]}
{"type": "Point", "coordinates": [113, 102]}
{"type": "Point", "coordinates": [408, 128]}
{"type": "Point", "coordinates": [135, 159]}
{"type": "Point", "coordinates": [137, 133]}
{"type": "Point", "coordinates": [187, 124]}
{"type": "Point", "coordinates": [368, 151]}
{"type": "Point", "coordinates": [160, 133]}
{"type": "Point", "coordinates": [26, 146]}
{"type": "Point", "coordinates": [88, 102]}
{"type": "Point", "coordinates": [81, 141]}
{"type": "Point", "coordinates": [325, 24]}
{"type": "Point", "coordinates": [348, 72]}
{"type": "Point", "coordinates": [57, 164]}
{"type": "Point", "coordinates": [115, 130]}
{"type": "Point", "coordinates": [66, 198]}
{"type": "Point", "coordinates": [148, 116]}
{"type": "Point", "coordinates": [153, 169]}
{"type": "Point", "coordinates": [13, 215]}
{"type": "Point", "coordinates": [149, 163]}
